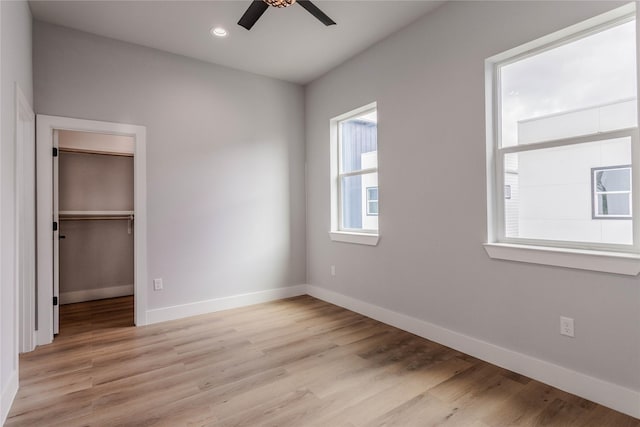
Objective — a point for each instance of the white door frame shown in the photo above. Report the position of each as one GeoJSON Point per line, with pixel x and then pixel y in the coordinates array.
{"type": "Point", "coordinates": [25, 248]}
{"type": "Point", "coordinates": [56, 234]}
{"type": "Point", "coordinates": [45, 126]}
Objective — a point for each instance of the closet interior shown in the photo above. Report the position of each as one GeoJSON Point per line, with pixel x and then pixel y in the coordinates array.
{"type": "Point", "coordinates": [96, 217]}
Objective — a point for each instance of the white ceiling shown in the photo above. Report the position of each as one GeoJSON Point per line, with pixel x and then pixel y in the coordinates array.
{"type": "Point", "coordinates": [288, 44]}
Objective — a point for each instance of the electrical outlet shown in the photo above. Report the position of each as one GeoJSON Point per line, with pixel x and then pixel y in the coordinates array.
{"type": "Point", "coordinates": [333, 270]}
{"type": "Point", "coordinates": [157, 285]}
{"type": "Point", "coordinates": [566, 326]}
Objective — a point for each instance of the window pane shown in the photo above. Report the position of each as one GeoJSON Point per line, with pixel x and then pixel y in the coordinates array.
{"type": "Point", "coordinates": [614, 204]}
{"type": "Point", "coordinates": [373, 208]}
{"type": "Point", "coordinates": [578, 88]}
{"type": "Point", "coordinates": [372, 193]}
{"type": "Point", "coordinates": [551, 193]}
{"type": "Point", "coordinates": [613, 180]}
{"type": "Point", "coordinates": [359, 143]}
{"type": "Point", "coordinates": [354, 202]}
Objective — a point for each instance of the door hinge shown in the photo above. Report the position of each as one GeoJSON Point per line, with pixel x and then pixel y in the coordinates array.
{"type": "Point", "coordinates": [55, 301]}
{"type": "Point", "coordinates": [55, 152]}
{"type": "Point", "coordinates": [55, 226]}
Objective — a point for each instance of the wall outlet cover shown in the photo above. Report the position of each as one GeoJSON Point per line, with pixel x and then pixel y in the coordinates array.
{"type": "Point", "coordinates": [566, 326]}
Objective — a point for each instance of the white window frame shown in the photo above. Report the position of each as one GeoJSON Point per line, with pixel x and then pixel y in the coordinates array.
{"type": "Point", "coordinates": [337, 232]}
{"type": "Point", "coordinates": [622, 259]}
{"type": "Point", "coordinates": [595, 206]}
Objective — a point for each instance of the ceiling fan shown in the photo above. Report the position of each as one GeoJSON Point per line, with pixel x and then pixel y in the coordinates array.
{"type": "Point", "coordinates": [258, 7]}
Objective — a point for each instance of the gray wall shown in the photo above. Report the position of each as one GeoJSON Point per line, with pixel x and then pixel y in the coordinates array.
{"type": "Point", "coordinates": [16, 67]}
{"type": "Point", "coordinates": [428, 81]}
{"type": "Point", "coordinates": [225, 159]}
{"type": "Point", "coordinates": [95, 182]}
{"type": "Point", "coordinates": [95, 254]}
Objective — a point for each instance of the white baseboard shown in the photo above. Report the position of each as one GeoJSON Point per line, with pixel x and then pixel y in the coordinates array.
{"type": "Point", "coordinates": [8, 394]}
{"type": "Point", "coordinates": [605, 393]}
{"type": "Point", "coordinates": [93, 294]}
{"type": "Point", "coordinates": [209, 306]}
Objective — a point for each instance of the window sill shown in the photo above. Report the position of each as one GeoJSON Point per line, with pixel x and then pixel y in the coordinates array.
{"type": "Point", "coordinates": [608, 262]}
{"type": "Point", "coordinates": [357, 238]}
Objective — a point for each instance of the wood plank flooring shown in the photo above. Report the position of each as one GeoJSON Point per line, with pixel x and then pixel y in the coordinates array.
{"type": "Point", "coordinates": [293, 362]}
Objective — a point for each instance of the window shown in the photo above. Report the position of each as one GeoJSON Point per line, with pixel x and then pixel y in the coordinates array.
{"type": "Point", "coordinates": [611, 188]}
{"type": "Point", "coordinates": [563, 112]}
{"type": "Point", "coordinates": [354, 176]}
{"type": "Point", "coordinates": [372, 201]}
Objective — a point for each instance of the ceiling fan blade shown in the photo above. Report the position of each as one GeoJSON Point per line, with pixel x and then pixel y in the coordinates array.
{"type": "Point", "coordinates": [313, 9]}
{"type": "Point", "coordinates": [253, 13]}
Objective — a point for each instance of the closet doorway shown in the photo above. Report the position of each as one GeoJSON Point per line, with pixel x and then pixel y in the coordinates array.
{"type": "Point", "coordinates": [94, 195]}
{"type": "Point", "coordinates": [91, 186]}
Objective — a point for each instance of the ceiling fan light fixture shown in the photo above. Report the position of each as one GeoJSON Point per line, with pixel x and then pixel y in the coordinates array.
{"type": "Point", "coordinates": [279, 3]}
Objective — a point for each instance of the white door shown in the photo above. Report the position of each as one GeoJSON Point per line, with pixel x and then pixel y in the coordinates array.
{"type": "Point", "coordinates": [56, 239]}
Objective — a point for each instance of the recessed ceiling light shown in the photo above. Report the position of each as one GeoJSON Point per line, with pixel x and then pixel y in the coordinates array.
{"type": "Point", "coordinates": [219, 32]}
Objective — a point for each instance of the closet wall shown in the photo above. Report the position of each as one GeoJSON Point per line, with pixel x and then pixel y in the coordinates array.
{"type": "Point", "coordinates": [96, 255]}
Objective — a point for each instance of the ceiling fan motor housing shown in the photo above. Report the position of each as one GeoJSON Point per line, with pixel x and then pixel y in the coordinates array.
{"type": "Point", "coordinates": [279, 3]}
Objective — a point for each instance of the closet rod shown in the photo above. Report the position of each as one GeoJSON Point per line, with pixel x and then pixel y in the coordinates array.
{"type": "Point", "coordinates": [93, 218]}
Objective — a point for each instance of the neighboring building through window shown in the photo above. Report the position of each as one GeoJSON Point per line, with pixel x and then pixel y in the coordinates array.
{"type": "Point", "coordinates": [566, 112]}
{"type": "Point", "coordinates": [354, 165]}
{"type": "Point", "coordinates": [611, 197]}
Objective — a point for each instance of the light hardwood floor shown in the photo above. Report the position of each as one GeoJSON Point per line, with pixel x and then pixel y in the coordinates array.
{"type": "Point", "coordinates": [294, 362]}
